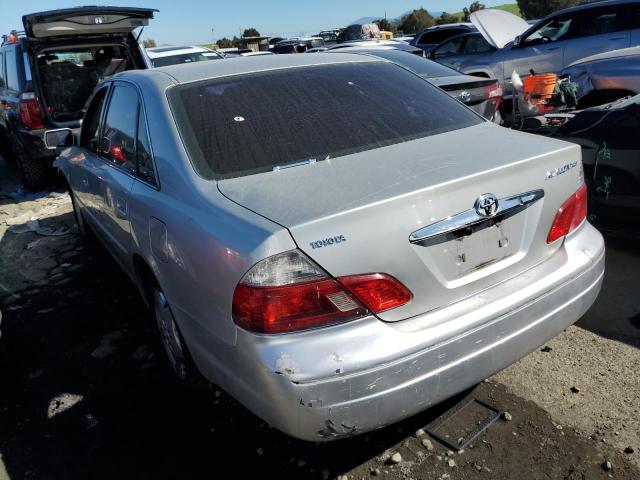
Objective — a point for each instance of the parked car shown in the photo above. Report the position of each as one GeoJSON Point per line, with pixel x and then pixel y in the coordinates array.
{"type": "Point", "coordinates": [608, 135]}
{"type": "Point", "coordinates": [48, 73]}
{"type": "Point", "coordinates": [606, 77]}
{"type": "Point", "coordinates": [483, 95]}
{"type": "Point", "coordinates": [554, 42]}
{"type": "Point", "coordinates": [298, 45]}
{"type": "Point", "coordinates": [433, 36]}
{"type": "Point", "coordinates": [329, 36]}
{"type": "Point", "coordinates": [164, 56]}
{"type": "Point", "coordinates": [344, 274]}
{"type": "Point", "coordinates": [370, 44]}
{"type": "Point", "coordinates": [273, 41]}
{"type": "Point", "coordinates": [359, 31]}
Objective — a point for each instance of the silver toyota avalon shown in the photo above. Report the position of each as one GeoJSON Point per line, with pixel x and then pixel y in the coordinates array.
{"type": "Point", "coordinates": [334, 241]}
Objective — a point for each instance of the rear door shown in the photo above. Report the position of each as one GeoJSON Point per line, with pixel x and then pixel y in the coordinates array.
{"type": "Point", "coordinates": [598, 30]}
{"type": "Point", "coordinates": [85, 21]}
{"type": "Point", "coordinates": [118, 167]}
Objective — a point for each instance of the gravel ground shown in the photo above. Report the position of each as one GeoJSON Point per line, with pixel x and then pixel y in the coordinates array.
{"type": "Point", "coordinates": [86, 392]}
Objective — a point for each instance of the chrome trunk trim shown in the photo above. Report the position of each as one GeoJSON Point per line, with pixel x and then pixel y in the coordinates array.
{"type": "Point", "coordinates": [468, 222]}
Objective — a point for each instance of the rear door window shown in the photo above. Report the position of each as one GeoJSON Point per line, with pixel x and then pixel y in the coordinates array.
{"type": "Point", "coordinates": [2, 81]}
{"type": "Point", "coordinates": [12, 79]}
{"type": "Point", "coordinates": [119, 131]}
{"type": "Point", "coordinates": [254, 123]}
{"type": "Point", "coordinates": [600, 21]}
{"type": "Point", "coordinates": [145, 169]}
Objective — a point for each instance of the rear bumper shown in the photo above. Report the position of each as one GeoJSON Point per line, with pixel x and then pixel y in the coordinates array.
{"type": "Point", "coordinates": [348, 379]}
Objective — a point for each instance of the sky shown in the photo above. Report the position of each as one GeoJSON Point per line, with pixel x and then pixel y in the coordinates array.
{"type": "Point", "coordinates": [197, 22]}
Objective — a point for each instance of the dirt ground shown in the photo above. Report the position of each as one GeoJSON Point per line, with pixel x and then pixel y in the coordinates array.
{"type": "Point", "coordinates": [85, 391]}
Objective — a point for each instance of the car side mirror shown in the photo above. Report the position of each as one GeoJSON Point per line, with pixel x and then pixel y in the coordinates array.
{"type": "Point", "coordinates": [516, 41]}
{"type": "Point", "coordinates": [59, 138]}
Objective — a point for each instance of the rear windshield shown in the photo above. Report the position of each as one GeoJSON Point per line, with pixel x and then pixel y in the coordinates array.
{"type": "Point", "coordinates": [416, 63]}
{"type": "Point", "coordinates": [248, 124]}
{"type": "Point", "coordinates": [69, 76]}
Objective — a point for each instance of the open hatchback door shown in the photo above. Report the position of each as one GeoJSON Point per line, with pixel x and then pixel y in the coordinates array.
{"type": "Point", "coordinates": [85, 21]}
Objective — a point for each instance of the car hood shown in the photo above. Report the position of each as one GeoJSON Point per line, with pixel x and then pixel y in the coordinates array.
{"type": "Point", "coordinates": [623, 52]}
{"type": "Point", "coordinates": [498, 27]}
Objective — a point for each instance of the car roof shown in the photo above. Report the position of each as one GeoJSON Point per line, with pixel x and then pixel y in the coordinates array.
{"type": "Point", "coordinates": [199, 71]}
{"type": "Point", "coordinates": [589, 5]}
{"type": "Point", "coordinates": [160, 52]}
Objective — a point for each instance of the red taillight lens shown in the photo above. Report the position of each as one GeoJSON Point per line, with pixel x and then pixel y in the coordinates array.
{"type": "Point", "coordinates": [378, 291]}
{"type": "Point", "coordinates": [293, 307]}
{"type": "Point", "coordinates": [570, 215]}
{"type": "Point", "coordinates": [30, 111]}
{"type": "Point", "coordinates": [288, 293]}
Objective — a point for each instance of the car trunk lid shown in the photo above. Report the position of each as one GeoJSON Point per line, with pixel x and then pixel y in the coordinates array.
{"type": "Point", "coordinates": [361, 213]}
{"type": "Point", "coordinates": [85, 21]}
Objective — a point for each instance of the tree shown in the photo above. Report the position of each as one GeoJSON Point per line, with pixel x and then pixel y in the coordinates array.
{"type": "Point", "coordinates": [250, 32]}
{"type": "Point", "coordinates": [384, 24]}
{"type": "Point", "coordinates": [532, 9]}
{"type": "Point", "coordinates": [417, 20]}
{"type": "Point", "coordinates": [447, 18]}
{"type": "Point", "coordinates": [149, 43]}
{"type": "Point", "coordinates": [224, 42]}
{"type": "Point", "coordinates": [474, 7]}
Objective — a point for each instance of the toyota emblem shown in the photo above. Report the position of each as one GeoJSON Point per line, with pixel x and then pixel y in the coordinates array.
{"type": "Point", "coordinates": [487, 205]}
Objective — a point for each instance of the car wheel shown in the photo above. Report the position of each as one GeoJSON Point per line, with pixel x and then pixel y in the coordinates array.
{"type": "Point", "coordinates": [33, 170]}
{"type": "Point", "coordinates": [173, 342]}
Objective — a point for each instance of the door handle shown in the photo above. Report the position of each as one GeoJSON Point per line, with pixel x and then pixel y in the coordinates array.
{"type": "Point", "coordinates": [85, 181]}
{"type": "Point", "coordinates": [617, 38]}
{"type": "Point", "coordinates": [550, 49]}
{"type": "Point", "coordinates": [121, 209]}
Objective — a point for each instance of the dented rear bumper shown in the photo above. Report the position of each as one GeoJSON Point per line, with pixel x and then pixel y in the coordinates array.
{"type": "Point", "coordinates": [348, 379]}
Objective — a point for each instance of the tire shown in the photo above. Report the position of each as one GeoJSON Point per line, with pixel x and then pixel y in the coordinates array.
{"type": "Point", "coordinates": [34, 171]}
{"type": "Point", "coordinates": [177, 353]}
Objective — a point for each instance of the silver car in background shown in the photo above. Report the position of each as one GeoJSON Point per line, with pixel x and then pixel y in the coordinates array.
{"type": "Point", "coordinates": [341, 253]}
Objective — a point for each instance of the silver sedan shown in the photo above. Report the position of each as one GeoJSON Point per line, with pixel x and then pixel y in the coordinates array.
{"type": "Point", "coordinates": [330, 238]}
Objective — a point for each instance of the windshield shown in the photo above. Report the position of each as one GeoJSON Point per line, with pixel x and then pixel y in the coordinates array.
{"type": "Point", "coordinates": [416, 64]}
{"type": "Point", "coordinates": [248, 124]}
{"type": "Point", "coordinates": [185, 58]}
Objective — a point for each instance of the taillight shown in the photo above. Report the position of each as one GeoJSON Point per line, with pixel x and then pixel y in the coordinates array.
{"type": "Point", "coordinates": [288, 292]}
{"type": "Point", "coordinates": [570, 215]}
{"type": "Point", "coordinates": [378, 291]}
{"type": "Point", "coordinates": [30, 111]}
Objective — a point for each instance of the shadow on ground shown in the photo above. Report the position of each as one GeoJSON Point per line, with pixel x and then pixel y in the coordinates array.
{"type": "Point", "coordinates": [616, 313]}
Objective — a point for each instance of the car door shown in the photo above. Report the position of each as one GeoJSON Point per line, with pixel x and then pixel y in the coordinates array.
{"type": "Point", "coordinates": [118, 167]}
{"type": "Point", "coordinates": [541, 50]}
{"type": "Point", "coordinates": [598, 30]}
{"type": "Point", "coordinates": [84, 170]}
{"type": "Point", "coordinates": [449, 52]}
